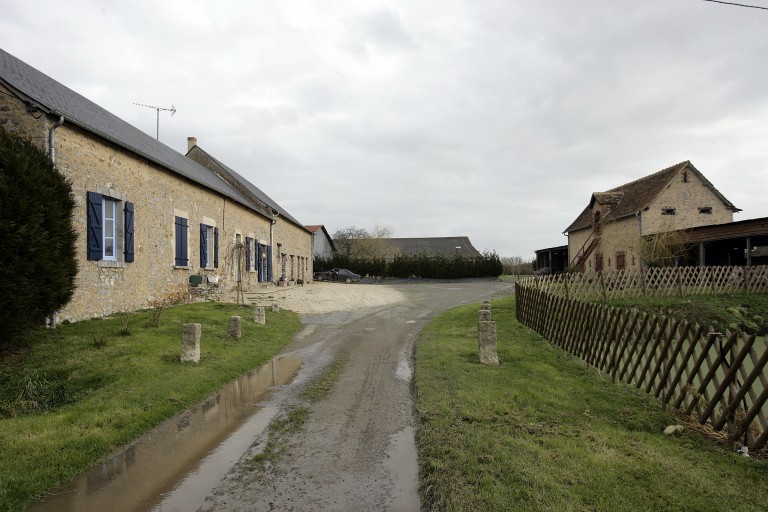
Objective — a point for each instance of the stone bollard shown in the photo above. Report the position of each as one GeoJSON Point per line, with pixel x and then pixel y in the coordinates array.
{"type": "Point", "coordinates": [259, 316]}
{"type": "Point", "coordinates": [233, 329]}
{"type": "Point", "coordinates": [486, 306]}
{"type": "Point", "coordinates": [190, 343]}
{"type": "Point", "coordinates": [275, 308]}
{"type": "Point", "coordinates": [483, 315]}
{"type": "Point", "coordinates": [486, 342]}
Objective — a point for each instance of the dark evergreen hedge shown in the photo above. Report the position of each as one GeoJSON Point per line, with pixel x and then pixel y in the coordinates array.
{"type": "Point", "coordinates": [419, 265]}
{"type": "Point", "coordinates": [37, 239]}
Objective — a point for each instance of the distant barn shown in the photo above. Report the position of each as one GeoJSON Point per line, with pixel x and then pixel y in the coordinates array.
{"type": "Point", "coordinates": [439, 246]}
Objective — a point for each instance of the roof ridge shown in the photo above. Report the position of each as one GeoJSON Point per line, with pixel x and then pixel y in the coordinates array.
{"type": "Point", "coordinates": [667, 169]}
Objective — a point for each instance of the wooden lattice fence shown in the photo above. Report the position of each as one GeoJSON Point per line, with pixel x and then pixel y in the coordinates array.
{"type": "Point", "coordinates": [719, 378]}
{"type": "Point", "coordinates": [654, 282]}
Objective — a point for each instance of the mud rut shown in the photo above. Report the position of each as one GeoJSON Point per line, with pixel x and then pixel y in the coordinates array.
{"type": "Point", "coordinates": [356, 450]}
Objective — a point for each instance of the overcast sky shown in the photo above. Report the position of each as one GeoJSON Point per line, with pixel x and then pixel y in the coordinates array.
{"type": "Point", "coordinates": [494, 119]}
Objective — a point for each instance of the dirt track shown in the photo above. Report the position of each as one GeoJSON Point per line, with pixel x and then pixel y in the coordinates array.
{"type": "Point", "coordinates": [356, 451]}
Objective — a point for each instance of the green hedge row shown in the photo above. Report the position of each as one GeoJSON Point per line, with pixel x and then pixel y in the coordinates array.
{"type": "Point", "coordinates": [420, 265]}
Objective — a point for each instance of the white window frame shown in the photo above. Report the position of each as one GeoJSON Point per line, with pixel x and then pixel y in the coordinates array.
{"type": "Point", "coordinates": [109, 217]}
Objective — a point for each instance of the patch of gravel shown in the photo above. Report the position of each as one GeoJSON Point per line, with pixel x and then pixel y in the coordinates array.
{"type": "Point", "coordinates": [325, 303]}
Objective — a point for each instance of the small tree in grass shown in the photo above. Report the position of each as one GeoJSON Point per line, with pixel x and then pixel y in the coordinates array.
{"type": "Point", "coordinates": [37, 260]}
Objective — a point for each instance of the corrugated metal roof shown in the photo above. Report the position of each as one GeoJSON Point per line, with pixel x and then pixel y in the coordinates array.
{"type": "Point", "coordinates": [55, 98]}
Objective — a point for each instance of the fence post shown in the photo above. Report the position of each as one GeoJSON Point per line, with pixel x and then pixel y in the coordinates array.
{"type": "Point", "coordinates": [234, 329]}
{"type": "Point", "coordinates": [486, 337]}
{"type": "Point", "coordinates": [567, 292]}
{"type": "Point", "coordinates": [190, 343]}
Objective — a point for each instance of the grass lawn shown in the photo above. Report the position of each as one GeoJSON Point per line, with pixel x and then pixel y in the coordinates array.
{"type": "Point", "coordinates": [542, 431]}
{"type": "Point", "coordinates": [71, 395]}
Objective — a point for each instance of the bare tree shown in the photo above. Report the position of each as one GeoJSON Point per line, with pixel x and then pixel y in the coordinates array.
{"type": "Point", "coordinates": [360, 243]}
{"type": "Point", "coordinates": [517, 265]}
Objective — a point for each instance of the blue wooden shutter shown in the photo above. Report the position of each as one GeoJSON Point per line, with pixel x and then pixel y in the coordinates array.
{"type": "Point", "coordinates": [203, 246]}
{"type": "Point", "coordinates": [269, 263]}
{"type": "Point", "coordinates": [95, 226]}
{"type": "Point", "coordinates": [128, 218]}
{"type": "Point", "coordinates": [215, 247]}
{"type": "Point", "coordinates": [181, 242]}
{"type": "Point", "coordinates": [248, 245]}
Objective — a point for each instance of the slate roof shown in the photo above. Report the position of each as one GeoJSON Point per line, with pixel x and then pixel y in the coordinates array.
{"type": "Point", "coordinates": [637, 195]}
{"type": "Point", "coordinates": [253, 189]}
{"type": "Point", "coordinates": [445, 246]}
{"type": "Point", "coordinates": [53, 97]}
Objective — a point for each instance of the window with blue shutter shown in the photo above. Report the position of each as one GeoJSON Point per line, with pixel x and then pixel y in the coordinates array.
{"type": "Point", "coordinates": [95, 225]}
{"type": "Point", "coordinates": [182, 259]}
{"type": "Point", "coordinates": [128, 227]}
{"type": "Point", "coordinates": [203, 246]}
{"type": "Point", "coordinates": [215, 247]}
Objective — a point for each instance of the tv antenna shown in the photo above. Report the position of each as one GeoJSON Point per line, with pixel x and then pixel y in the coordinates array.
{"type": "Point", "coordinates": [172, 110]}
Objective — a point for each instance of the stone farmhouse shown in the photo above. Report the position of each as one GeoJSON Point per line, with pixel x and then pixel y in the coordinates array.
{"type": "Point", "coordinates": [613, 231]}
{"type": "Point", "coordinates": [148, 217]}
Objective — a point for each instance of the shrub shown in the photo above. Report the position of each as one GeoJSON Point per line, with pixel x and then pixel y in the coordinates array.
{"type": "Point", "coordinates": [37, 263]}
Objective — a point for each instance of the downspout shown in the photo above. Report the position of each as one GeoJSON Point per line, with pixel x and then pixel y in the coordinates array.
{"type": "Point", "coordinates": [272, 240]}
{"type": "Point", "coordinates": [52, 139]}
{"type": "Point", "coordinates": [52, 156]}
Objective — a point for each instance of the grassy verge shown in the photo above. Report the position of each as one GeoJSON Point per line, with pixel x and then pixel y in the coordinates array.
{"type": "Point", "coordinates": [71, 395]}
{"type": "Point", "coordinates": [544, 432]}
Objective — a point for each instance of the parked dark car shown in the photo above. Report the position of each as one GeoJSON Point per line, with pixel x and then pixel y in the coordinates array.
{"type": "Point", "coordinates": [337, 274]}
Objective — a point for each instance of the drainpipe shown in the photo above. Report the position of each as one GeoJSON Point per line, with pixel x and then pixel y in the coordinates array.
{"type": "Point", "coordinates": [52, 156]}
{"type": "Point", "coordinates": [272, 239]}
{"type": "Point", "coordinates": [52, 139]}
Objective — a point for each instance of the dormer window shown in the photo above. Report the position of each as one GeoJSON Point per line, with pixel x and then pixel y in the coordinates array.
{"type": "Point", "coordinates": [705, 209]}
{"type": "Point", "coordinates": [668, 210]}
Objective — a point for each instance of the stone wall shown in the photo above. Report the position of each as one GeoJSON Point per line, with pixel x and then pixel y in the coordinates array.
{"type": "Point", "coordinates": [293, 249]}
{"type": "Point", "coordinates": [686, 194]}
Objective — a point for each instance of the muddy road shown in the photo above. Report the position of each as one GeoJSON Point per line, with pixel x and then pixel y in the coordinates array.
{"type": "Point", "coordinates": [356, 450]}
{"type": "Point", "coordinates": [352, 450]}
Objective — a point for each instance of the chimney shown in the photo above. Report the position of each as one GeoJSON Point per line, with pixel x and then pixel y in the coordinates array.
{"type": "Point", "coordinates": [191, 142]}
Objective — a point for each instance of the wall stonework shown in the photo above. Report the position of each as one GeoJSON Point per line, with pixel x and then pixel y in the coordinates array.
{"type": "Point", "coordinates": [686, 196]}
{"type": "Point", "coordinates": [92, 164]}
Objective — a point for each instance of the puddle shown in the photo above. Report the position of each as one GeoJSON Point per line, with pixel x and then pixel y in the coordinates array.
{"type": "Point", "coordinates": [175, 466]}
{"type": "Point", "coordinates": [404, 468]}
{"type": "Point", "coordinates": [404, 371]}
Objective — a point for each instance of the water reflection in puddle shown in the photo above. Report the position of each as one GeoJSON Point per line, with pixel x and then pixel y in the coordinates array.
{"type": "Point", "coordinates": [175, 466]}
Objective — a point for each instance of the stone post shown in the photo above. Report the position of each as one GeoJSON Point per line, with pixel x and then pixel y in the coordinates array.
{"type": "Point", "coordinates": [483, 315]}
{"type": "Point", "coordinates": [259, 316]}
{"type": "Point", "coordinates": [233, 329]}
{"type": "Point", "coordinates": [190, 343]}
{"type": "Point", "coordinates": [486, 340]}
{"type": "Point", "coordinates": [275, 308]}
